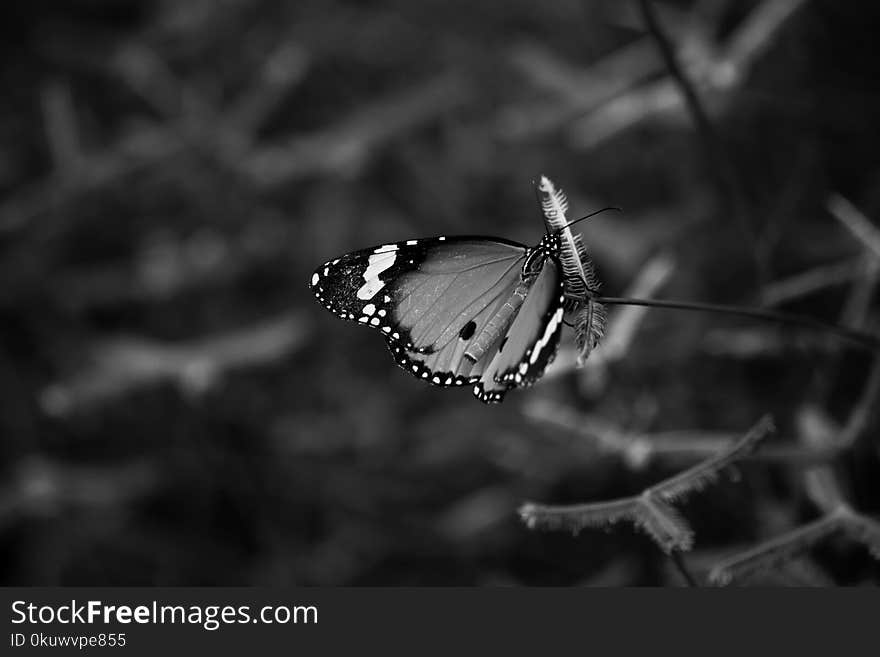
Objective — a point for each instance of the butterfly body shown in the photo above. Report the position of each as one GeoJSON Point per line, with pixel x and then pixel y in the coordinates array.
{"type": "Point", "coordinates": [455, 311]}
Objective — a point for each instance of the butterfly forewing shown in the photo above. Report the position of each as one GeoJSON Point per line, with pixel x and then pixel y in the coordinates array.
{"type": "Point", "coordinates": [415, 292]}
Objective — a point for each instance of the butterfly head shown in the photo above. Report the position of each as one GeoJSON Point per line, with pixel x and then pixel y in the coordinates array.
{"type": "Point", "coordinates": [548, 247]}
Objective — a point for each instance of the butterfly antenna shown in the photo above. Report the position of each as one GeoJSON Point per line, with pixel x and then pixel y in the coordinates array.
{"type": "Point", "coordinates": [592, 214]}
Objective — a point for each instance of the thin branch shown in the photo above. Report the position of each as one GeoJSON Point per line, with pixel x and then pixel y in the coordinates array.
{"type": "Point", "coordinates": [761, 342]}
{"type": "Point", "coordinates": [755, 36]}
{"type": "Point", "coordinates": [37, 485]}
{"type": "Point", "coordinates": [719, 166]}
{"type": "Point", "coordinates": [865, 530]}
{"type": "Point", "coordinates": [575, 517]}
{"type": "Point", "coordinates": [811, 281]}
{"type": "Point", "coordinates": [669, 447]}
{"type": "Point", "coordinates": [663, 523]}
{"type": "Point", "coordinates": [346, 146]}
{"type": "Point", "coordinates": [62, 133]}
{"type": "Point", "coordinates": [721, 70]}
{"type": "Point", "coordinates": [625, 323]}
{"type": "Point", "coordinates": [695, 106]}
{"type": "Point", "coordinates": [574, 92]}
{"type": "Point", "coordinates": [865, 340]}
{"type": "Point", "coordinates": [818, 431]}
{"type": "Point", "coordinates": [777, 550]}
{"type": "Point", "coordinates": [856, 222]}
{"type": "Point", "coordinates": [702, 474]}
{"type": "Point", "coordinates": [768, 554]}
{"type": "Point", "coordinates": [127, 363]}
{"type": "Point", "coordinates": [863, 409]}
{"type": "Point", "coordinates": [677, 558]}
{"type": "Point", "coordinates": [650, 511]}
{"type": "Point", "coordinates": [654, 516]}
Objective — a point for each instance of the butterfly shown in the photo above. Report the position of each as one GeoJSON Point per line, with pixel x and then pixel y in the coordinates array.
{"type": "Point", "coordinates": [484, 312]}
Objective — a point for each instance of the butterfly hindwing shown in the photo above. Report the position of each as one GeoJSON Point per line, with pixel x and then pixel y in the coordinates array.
{"type": "Point", "coordinates": [447, 364]}
{"type": "Point", "coordinates": [530, 343]}
{"type": "Point", "coordinates": [517, 352]}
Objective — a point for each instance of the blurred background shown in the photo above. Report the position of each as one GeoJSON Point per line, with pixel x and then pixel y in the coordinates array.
{"type": "Point", "coordinates": [177, 410]}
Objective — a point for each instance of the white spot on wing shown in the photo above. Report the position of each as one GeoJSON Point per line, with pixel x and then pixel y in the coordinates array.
{"type": "Point", "coordinates": [378, 263]}
{"type": "Point", "coordinates": [315, 278]}
{"type": "Point", "coordinates": [369, 309]}
{"type": "Point", "coordinates": [385, 248]}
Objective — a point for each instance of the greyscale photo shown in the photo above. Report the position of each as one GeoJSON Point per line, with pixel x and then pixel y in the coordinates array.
{"type": "Point", "coordinates": [484, 294]}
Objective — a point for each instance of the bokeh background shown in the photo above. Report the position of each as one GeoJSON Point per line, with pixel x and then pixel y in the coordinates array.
{"type": "Point", "coordinates": [176, 409]}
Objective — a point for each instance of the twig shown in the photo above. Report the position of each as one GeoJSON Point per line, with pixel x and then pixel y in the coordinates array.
{"type": "Point", "coordinates": [41, 486]}
{"type": "Point", "coordinates": [678, 559]}
{"type": "Point", "coordinates": [721, 170]}
{"type": "Point", "coordinates": [720, 71]}
{"type": "Point", "coordinates": [654, 516]}
{"type": "Point", "coordinates": [695, 106]}
{"type": "Point", "coordinates": [760, 342]}
{"type": "Point", "coordinates": [283, 69]}
{"type": "Point", "coordinates": [344, 147]}
{"type": "Point", "coordinates": [625, 322]}
{"type": "Point", "coordinates": [702, 474]}
{"type": "Point", "coordinates": [824, 489]}
{"type": "Point", "coordinates": [651, 510]}
{"type": "Point", "coordinates": [783, 548]}
{"type": "Point", "coordinates": [123, 364]}
{"type": "Point", "coordinates": [856, 222]}
{"type": "Point", "coordinates": [670, 447]}
{"type": "Point", "coordinates": [62, 132]}
{"type": "Point", "coordinates": [864, 340]}
{"type": "Point", "coordinates": [574, 93]}
{"type": "Point", "coordinates": [861, 413]}
{"type": "Point", "coordinates": [755, 35]}
{"type": "Point", "coordinates": [817, 431]}
{"type": "Point", "coordinates": [811, 281]}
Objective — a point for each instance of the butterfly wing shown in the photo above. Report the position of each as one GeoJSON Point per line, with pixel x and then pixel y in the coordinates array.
{"type": "Point", "coordinates": [419, 293]}
{"type": "Point", "coordinates": [530, 343]}
{"type": "Point", "coordinates": [434, 299]}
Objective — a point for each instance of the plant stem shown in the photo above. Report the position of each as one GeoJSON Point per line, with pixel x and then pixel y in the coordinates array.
{"type": "Point", "coordinates": [870, 342]}
{"type": "Point", "coordinates": [679, 562]}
